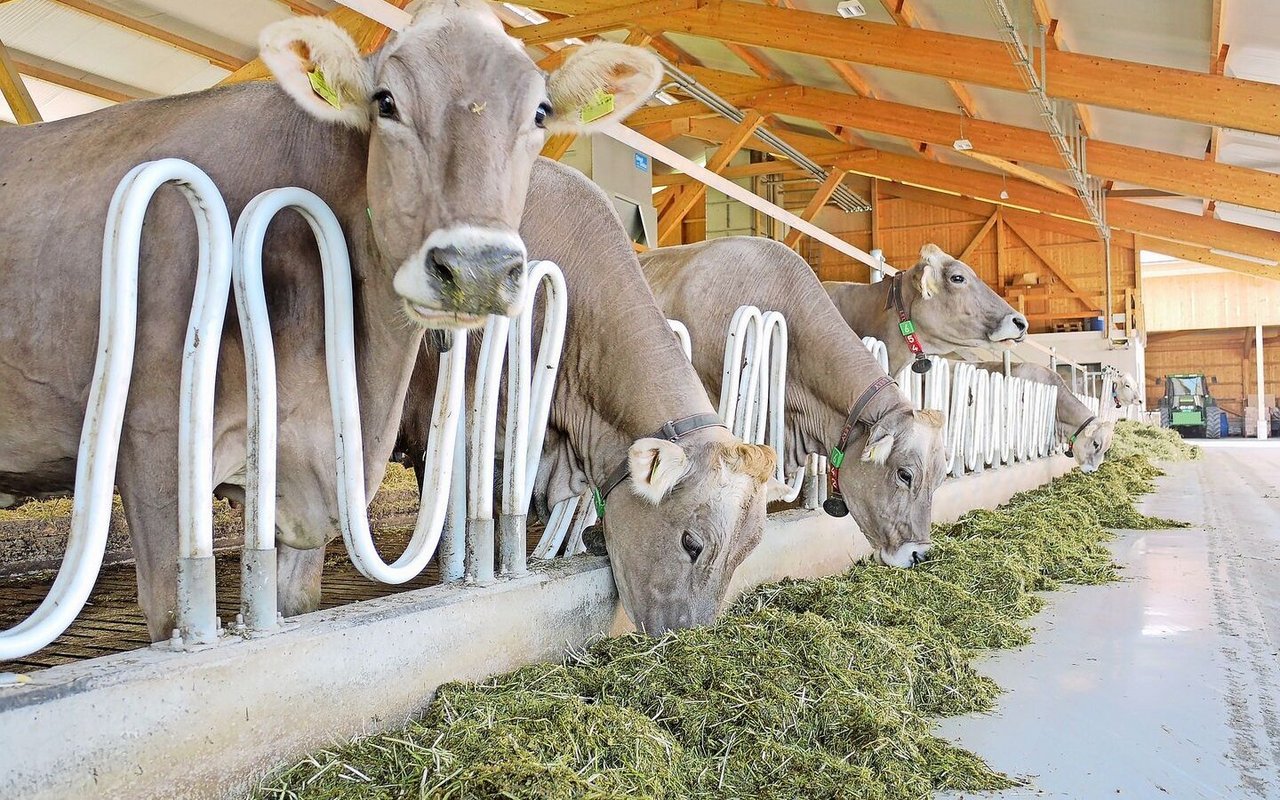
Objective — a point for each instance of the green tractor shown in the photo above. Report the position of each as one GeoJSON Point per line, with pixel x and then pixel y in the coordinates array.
{"type": "Point", "coordinates": [1188, 408]}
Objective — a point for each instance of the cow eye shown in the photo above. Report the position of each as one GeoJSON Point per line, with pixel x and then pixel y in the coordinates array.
{"type": "Point", "coordinates": [386, 104]}
{"type": "Point", "coordinates": [957, 278]}
{"type": "Point", "coordinates": [904, 477]}
{"type": "Point", "coordinates": [691, 544]}
{"type": "Point", "coordinates": [540, 116]}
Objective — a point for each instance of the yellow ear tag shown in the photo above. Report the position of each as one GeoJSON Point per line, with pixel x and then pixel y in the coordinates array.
{"type": "Point", "coordinates": [322, 88]}
{"type": "Point", "coordinates": [600, 106]}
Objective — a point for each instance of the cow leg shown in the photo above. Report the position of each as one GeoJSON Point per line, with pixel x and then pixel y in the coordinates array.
{"type": "Point", "coordinates": [149, 491]}
{"type": "Point", "coordinates": [298, 575]}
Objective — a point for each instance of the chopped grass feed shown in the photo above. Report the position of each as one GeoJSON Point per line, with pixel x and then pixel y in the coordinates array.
{"type": "Point", "coordinates": [808, 689]}
{"type": "Point", "coordinates": [1160, 444]}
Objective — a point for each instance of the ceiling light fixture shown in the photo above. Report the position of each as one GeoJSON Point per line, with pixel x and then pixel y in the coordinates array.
{"type": "Point", "coordinates": [850, 9]}
{"type": "Point", "coordinates": [962, 144]}
{"type": "Point", "coordinates": [1004, 188]}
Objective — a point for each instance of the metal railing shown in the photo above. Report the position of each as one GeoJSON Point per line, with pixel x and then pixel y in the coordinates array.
{"type": "Point", "coordinates": [226, 259]}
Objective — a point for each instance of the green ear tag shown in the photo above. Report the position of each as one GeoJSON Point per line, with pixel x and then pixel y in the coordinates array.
{"type": "Point", "coordinates": [599, 501]}
{"type": "Point", "coordinates": [837, 457]}
{"type": "Point", "coordinates": [322, 88]}
{"type": "Point", "coordinates": [600, 106]}
{"type": "Point", "coordinates": [907, 327]}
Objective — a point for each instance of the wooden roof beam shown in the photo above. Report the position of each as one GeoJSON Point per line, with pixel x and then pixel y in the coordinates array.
{"type": "Point", "coordinates": [214, 56]}
{"type": "Point", "coordinates": [1125, 85]}
{"type": "Point", "coordinates": [904, 13]}
{"type": "Point", "coordinates": [15, 91]}
{"type": "Point", "coordinates": [607, 19]}
{"type": "Point", "coordinates": [819, 199]}
{"type": "Point", "coordinates": [1183, 175]}
{"type": "Point", "coordinates": [74, 79]}
{"type": "Point", "coordinates": [1202, 255]}
{"type": "Point", "coordinates": [1122, 214]}
{"type": "Point", "coordinates": [735, 140]}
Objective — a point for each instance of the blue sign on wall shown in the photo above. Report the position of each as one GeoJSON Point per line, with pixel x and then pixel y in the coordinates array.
{"type": "Point", "coordinates": [642, 162]}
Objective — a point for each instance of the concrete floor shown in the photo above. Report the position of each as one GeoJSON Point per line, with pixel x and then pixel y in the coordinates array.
{"type": "Point", "coordinates": [1166, 685]}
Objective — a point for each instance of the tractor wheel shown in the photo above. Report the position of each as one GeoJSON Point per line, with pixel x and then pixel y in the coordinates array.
{"type": "Point", "coordinates": [1213, 422]}
{"type": "Point", "coordinates": [1166, 417]}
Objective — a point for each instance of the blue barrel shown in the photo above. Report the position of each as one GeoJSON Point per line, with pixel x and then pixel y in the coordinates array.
{"type": "Point", "coordinates": [1097, 324]}
{"type": "Point", "coordinates": [1223, 426]}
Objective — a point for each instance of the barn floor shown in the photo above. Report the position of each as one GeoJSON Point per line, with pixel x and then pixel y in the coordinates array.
{"type": "Point", "coordinates": [1168, 683]}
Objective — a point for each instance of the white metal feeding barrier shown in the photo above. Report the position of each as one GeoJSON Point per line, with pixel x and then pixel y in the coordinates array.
{"type": "Point", "coordinates": [224, 258]}
{"type": "Point", "coordinates": [991, 418]}
{"type": "Point", "coordinates": [104, 417]}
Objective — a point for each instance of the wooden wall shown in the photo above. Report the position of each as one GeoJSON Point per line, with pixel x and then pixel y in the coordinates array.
{"type": "Point", "coordinates": [1226, 354]}
{"type": "Point", "coordinates": [1066, 260]}
{"type": "Point", "coordinates": [1212, 300]}
{"type": "Point", "coordinates": [1071, 285]}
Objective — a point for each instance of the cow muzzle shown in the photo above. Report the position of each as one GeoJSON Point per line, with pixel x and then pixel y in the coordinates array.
{"type": "Point", "coordinates": [1012, 328]}
{"type": "Point", "coordinates": [461, 275]}
{"type": "Point", "coordinates": [905, 555]}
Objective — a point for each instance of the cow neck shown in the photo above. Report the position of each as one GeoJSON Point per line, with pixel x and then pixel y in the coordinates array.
{"type": "Point", "coordinates": [386, 348]}
{"type": "Point", "coordinates": [828, 369]}
{"type": "Point", "coordinates": [650, 381]}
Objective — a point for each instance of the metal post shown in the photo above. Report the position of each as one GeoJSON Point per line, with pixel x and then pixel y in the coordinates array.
{"type": "Point", "coordinates": [1263, 422]}
{"type": "Point", "coordinates": [877, 273]}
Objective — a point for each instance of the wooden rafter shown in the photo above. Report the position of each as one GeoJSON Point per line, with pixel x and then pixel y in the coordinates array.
{"type": "Point", "coordinates": [1125, 85]}
{"type": "Point", "coordinates": [815, 204]}
{"type": "Point", "coordinates": [1182, 175]}
{"type": "Point", "coordinates": [1123, 215]}
{"type": "Point", "coordinates": [1217, 66]}
{"type": "Point", "coordinates": [608, 19]}
{"type": "Point", "coordinates": [76, 80]}
{"type": "Point", "coordinates": [15, 91]}
{"type": "Point", "coordinates": [979, 236]}
{"type": "Point", "coordinates": [904, 14]}
{"type": "Point", "coordinates": [1202, 255]}
{"type": "Point", "coordinates": [1044, 258]}
{"type": "Point", "coordinates": [216, 57]}
{"type": "Point", "coordinates": [368, 35]}
{"type": "Point", "coordinates": [690, 196]}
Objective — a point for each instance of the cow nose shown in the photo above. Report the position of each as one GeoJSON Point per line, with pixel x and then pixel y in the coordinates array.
{"type": "Point", "coordinates": [1019, 322]}
{"type": "Point", "coordinates": [486, 279]}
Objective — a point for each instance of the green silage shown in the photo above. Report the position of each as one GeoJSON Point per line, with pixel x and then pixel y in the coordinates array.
{"type": "Point", "coordinates": [822, 688]}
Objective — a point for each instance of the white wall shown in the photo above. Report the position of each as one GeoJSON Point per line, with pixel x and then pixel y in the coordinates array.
{"type": "Point", "coordinates": [1088, 347]}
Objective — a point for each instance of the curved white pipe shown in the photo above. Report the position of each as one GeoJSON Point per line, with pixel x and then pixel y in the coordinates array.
{"type": "Point", "coordinates": [104, 414]}
{"type": "Point", "coordinates": [878, 351]}
{"type": "Point", "coordinates": [682, 335]}
{"type": "Point", "coordinates": [340, 360]}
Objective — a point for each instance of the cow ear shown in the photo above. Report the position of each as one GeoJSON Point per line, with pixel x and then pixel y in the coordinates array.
{"type": "Point", "coordinates": [931, 262]}
{"type": "Point", "coordinates": [776, 490]}
{"type": "Point", "coordinates": [878, 449]}
{"type": "Point", "coordinates": [600, 83]}
{"type": "Point", "coordinates": [319, 66]}
{"type": "Point", "coordinates": [755, 460]}
{"type": "Point", "coordinates": [656, 467]}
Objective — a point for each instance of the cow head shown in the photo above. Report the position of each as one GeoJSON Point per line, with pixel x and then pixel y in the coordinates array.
{"type": "Point", "coordinates": [1125, 390]}
{"type": "Point", "coordinates": [680, 526]}
{"type": "Point", "coordinates": [455, 113]}
{"type": "Point", "coordinates": [954, 309]}
{"type": "Point", "coordinates": [1092, 444]}
{"type": "Point", "coordinates": [888, 477]}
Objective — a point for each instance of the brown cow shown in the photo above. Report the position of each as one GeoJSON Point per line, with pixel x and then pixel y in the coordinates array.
{"type": "Point", "coordinates": [951, 307]}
